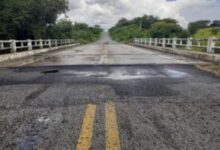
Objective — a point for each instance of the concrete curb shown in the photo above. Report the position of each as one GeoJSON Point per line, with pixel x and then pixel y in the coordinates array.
{"type": "Point", "coordinates": [210, 57]}
{"type": "Point", "coordinates": [12, 56]}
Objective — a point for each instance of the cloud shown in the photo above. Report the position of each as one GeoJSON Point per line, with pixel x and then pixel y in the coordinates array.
{"type": "Point", "coordinates": [108, 12]}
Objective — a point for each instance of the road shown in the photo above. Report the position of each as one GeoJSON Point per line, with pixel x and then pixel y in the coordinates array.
{"type": "Point", "coordinates": [108, 95]}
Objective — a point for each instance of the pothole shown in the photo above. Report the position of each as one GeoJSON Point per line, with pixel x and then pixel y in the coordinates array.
{"type": "Point", "coordinates": [50, 71]}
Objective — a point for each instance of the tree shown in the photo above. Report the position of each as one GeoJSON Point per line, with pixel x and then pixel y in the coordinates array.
{"type": "Point", "coordinates": [22, 19]}
{"type": "Point", "coordinates": [165, 30]}
{"type": "Point", "coordinates": [126, 33]}
{"type": "Point", "coordinates": [170, 20]}
{"type": "Point", "coordinates": [151, 26]}
{"type": "Point", "coordinates": [193, 27]}
{"type": "Point", "coordinates": [122, 22]}
{"type": "Point", "coordinates": [215, 23]}
{"type": "Point", "coordinates": [145, 21]}
{"type": "Point", "coordinates": [84, 34]}
{"type": "Point", "coordinates": [63, 29]}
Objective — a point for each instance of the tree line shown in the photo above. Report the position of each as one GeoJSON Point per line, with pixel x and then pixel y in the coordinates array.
{"type": "Point", "coordinates": [151, 26]}
{"type": "Point", "coordinates": [35, 19]}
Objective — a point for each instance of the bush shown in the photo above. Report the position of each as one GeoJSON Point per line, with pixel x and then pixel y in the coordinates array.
{"type": "Point", "coordinates": [165, 30]}
{"type": "Point", "coordinates": [80, 32]}
{"type": "Point", "coordinates": [126, 33]}
{"type": "Point", "coordinates": [146, 26]}
{"type": "Point", "coordinates": [207, 32]}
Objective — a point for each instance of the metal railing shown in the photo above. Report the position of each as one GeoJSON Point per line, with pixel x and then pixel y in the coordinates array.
{"type": "Point", "coordinates": [210, 45]}
{"type": "Point", "coordinates": [13, 46]}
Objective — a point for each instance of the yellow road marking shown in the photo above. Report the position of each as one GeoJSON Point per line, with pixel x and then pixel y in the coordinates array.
{"type": "Point", "coordinates": [111, 127]}
{"type": "Point", "coordinates": [85, 138]}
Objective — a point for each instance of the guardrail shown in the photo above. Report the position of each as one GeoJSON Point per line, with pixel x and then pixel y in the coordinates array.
{"type": "Point", "coordinates": [13, 46]}
{"type": "Point", "coordinates": [210, 45]}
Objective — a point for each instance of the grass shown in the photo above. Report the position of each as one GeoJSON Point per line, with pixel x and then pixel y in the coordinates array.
{"type": "Point", "coordinates": [212, 68]}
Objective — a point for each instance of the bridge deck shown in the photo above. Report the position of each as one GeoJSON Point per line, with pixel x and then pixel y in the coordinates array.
{"type": "Point", "coordinates": [159, 101]}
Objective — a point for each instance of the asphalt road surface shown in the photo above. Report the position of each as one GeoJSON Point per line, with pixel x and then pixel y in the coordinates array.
{"type": "Point", "coordinates": [109, 96]}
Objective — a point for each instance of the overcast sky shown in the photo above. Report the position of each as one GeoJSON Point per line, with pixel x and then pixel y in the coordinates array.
{"type": "Point", "coordinates": [107, 12]}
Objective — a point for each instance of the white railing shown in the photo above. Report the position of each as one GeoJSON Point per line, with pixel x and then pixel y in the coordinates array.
{"type": "Point", "coordinates": [210, 45]}
{"type": "Point", "coordinates": [16, 45]}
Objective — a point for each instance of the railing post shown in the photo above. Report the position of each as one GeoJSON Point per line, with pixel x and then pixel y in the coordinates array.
{"type": "Point", "coordinates": [49, 43]}
{"type": "Point", "coordinates": [55, 41]}
{"type": "Point", "coordinates": [29, 44]}
{"type": "Point", "coordinates": [150, 41]}
{"type": "Point", "coordinates": [13, 46]}
{"type": "Point", "coordinates": [174, 43]}
{"type": "Point", "coordinates": [155, 41]}
{"type": "Point", "coordinates": [211, 45]}
{"type": "Point", "coordinates": [41, 44]}
{"type": "Point", "coordinates": [189, 43]}
{"type": "Point", "coordinates": [1, 45]}
{"type": "Point", "coordinates": [164, 43]}
{"type": "Point", "coordinates": [198, 43]}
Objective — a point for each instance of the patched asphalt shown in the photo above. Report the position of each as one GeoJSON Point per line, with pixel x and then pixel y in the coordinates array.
{"type": "Point", "coordinates": [158, 106]}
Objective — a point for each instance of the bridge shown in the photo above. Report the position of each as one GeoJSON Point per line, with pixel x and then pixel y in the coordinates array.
{"type": "Point", "coordinates": [58, 94]}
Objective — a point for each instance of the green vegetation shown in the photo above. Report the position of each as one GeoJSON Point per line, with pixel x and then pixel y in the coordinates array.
{"type": "Point", "coordinates": [126, 33]}
{"type": "Point", "coordinates": [207, 32]}
{"type": "Point", "coordinates": [167, 29]}
{"type": "Point", "coordinates": [151, 26]}
{"type": "Point", "coordinates": [84, 34]}
{"type": "Point", "coordinates": [34, 19]}
{"type": "Point", "coordinates": [193, 27]}
{"type": "Point", "coordinates": [212, 68]}
{"type": "Point", "coordinates": [22, 19]}
{"type": "Point", "coordinates": [79, 31]}
{"type": "Point", "coordinates": [146, 26]}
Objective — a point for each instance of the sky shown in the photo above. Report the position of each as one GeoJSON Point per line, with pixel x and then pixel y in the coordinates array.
{"type": "Point", "coordinates": [107, 12]}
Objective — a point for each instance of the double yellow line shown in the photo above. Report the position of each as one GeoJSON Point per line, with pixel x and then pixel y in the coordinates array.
{"type": "Point", "coordinates": [111, 128]}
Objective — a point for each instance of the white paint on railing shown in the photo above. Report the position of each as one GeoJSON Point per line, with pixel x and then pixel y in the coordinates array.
{"type": "Point", "coordinates": [14, 45]}
{"type": "Point", "coordinates": [189, 43]}
{"type": "Point", "coordinates": [211, 44]}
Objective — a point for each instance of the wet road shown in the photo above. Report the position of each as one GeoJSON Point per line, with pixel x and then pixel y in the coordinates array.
{"type": "Point", "coordinates": [109, 96]}
{"type": "Point", "coordinates": [103, 52]}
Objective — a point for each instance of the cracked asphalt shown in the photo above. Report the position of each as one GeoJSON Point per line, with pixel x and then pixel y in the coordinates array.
{"type": "Point", "coordinates": [108, 95]}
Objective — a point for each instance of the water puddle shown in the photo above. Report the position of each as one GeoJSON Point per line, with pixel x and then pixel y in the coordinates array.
{"type": "Point", "coordinates": [175, 74]}
{"type": "Point", "coordinates": [123, 74]}
{"type": "Point", "coordinates": [117, 74]}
